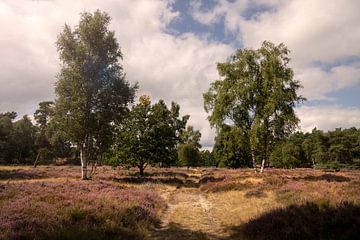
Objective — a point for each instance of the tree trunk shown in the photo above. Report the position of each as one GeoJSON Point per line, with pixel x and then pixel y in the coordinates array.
{"type": "Point", "coordinates": [83, 158]}
{"type": "Point", "coordinates": [263, 164]}
{"type": "Point", "coordinates": [313, 162]}
{"type": "Point", "coordinates": [266, 144]}
{"type": "Point", "coordinates": [141, 169]}
{"type": "Point", "coordinates": [37, 159]}
{"type": "Point", "coordinates": [264, 160]}
{"type": "Point", "coordinates": [253, 160]}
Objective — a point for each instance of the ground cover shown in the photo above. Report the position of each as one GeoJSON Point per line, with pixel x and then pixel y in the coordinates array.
{"type": "Point", "coordinates": [176, 203]}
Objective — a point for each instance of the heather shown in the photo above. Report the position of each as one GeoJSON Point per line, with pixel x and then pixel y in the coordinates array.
{"type": "Point", "coordinates": [51, 202]}
{"type": "Point", "coordinates": [76, 210]}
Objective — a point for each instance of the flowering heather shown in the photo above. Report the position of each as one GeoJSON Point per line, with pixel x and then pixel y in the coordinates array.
{"type": "Point", "coordinates": [50, 202]}
{"type": "Point", "coordinates": [44, 210]}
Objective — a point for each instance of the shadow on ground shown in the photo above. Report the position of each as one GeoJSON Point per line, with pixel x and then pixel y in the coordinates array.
{"type": "Point", "coordinates": [177, 179]}
{"type": "Point", "coordinates": [324, 177]}
{"type": "Point", "coordinates": [20, 174]}
{"type": "Point", "coordinates": [308, 221]}
{"type": "Point", "coordinates": [177, 232]}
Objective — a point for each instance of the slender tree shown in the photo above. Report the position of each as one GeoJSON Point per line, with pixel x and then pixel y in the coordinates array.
{"type": "Point", "coordinates": [42, 117]}
{"type": "Point", "coordinates": [257, 93]}
{"type": "Point", "coordinates": [91, 91]}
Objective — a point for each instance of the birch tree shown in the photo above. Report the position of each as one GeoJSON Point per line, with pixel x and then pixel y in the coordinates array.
{"type": "Point", "coordinates": [257, 92]}
{"type": "Point", "coordinates": [91, 91]}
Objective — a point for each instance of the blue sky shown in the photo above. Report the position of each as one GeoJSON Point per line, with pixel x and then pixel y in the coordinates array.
{"type": "Point", "coordinates": [171, 48]}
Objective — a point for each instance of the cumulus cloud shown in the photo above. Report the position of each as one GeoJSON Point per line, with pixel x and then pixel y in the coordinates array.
{"type": "Point", "coordinates": [180, 68]}
{"type": "Point", "coordinates": [328, 117]}
{"type": "Point", "coordinates": [167, 67]}
{"type": "Point", "coordinates": [322, 36]}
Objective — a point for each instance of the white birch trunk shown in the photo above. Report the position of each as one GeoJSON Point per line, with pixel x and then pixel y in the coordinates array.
{"type": "Point", "coordinates": [262, 165]}
{"type": "Point", "coordinates": [253, 160]}
{"type": "Point", "coordinates": [83, 159]}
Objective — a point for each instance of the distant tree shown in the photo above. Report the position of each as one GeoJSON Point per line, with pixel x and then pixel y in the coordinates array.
{"type": "Point", "coordinates": [24, 139]}
{"type": "Point", "coordinates": [189, 156]}
{"type": "Point", "coordinates": [257, 93]}
{"type": "Point", "coordinates": [7, 145]}
{"type": "Point", "coordinates": [189, 148]}
{"type": "Point", "coordinates": [42, 117]}
{"type": "Point", "coordinates": [231, 148]}
{"type": "Point", "coordinates": [149, 135]}
{"type": "Point", "coordinates": [191, 136]}
{"type": "Point", "coordinates": [208, 159]}
{"type": "Point", "coordinates": [168, 128]}
{"type": "Point", "coordinates": [289, 153]}
{"type": "Point", "coordinates": [339, 146]}
{"type": "Point", "coordinates": [91, 91]}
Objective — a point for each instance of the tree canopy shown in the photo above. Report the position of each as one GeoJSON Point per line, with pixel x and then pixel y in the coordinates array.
{"type": "Point", "coordinates": [91, 91]}
{"type": "Point", "coordinates": [149, 135]}
{"type": "Point", "coordinates": [257, 93]}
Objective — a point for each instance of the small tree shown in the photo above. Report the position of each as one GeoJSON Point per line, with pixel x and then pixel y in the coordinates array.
{"type": "Point", "coordinates": [7, 143]}
{"type": "Point", "coordinates": [189, 155]}
{"type": "Point", "coordinates": [208, 159]}
{"type": "Point", "coordinates": [231, 148]}
{"type": "Point", "coordinates": [149, 135]}
{"type": "Point", "coordinates": [42, 117]}
{"type": "Point", "coordinates": [91, 91]}
{"type": "Point", "coordinates": [191, 136]}
{"type": "Point", "coordinates": [24, 134]}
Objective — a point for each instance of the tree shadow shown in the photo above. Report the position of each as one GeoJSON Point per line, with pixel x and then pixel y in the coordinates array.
{"type": "Point", "coordinates": [20, 174]}
{"type": "Point", "coordinates": [176, 232]}
{"type": "Point", "coordinates": [207, 179]}
{"type": "Point", "coordinates": [308, 221]}
{"type": "Point", "coordinates": [162, 174]}
{"type": "Point", "coordinates": [172, 181]}
{"type": "Point", "coordinates": [324, 177]}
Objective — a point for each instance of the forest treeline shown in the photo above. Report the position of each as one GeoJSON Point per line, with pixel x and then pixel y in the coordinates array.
{"type": "Point", "coordinates": [329, 149]}
{"type": "Point", "coordinates": [21, 142]}
{"type": "Point", "coordinates": [96, 119]}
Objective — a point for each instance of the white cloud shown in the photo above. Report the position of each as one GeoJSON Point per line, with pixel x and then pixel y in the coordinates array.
{"type": "Point", "coordinates": [318, 83]}
{"type": "Point", "coordinates": [328, 117]}
{"type": "Point", "coordinates": [176, 68]}
{"type": "Point", "coordinates": [172, 68]}
{"type": "Point", "coordinates": [318, 33]}
{"type": "Point", "coordinates": [315, 31]}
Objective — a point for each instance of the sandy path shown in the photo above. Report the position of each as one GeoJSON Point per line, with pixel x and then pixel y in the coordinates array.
{"type": "Point", "coordinates": [188, 216]}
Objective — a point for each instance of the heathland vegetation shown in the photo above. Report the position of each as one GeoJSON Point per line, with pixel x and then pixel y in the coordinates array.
{"type": "Point", "coordinates": [141, 155]}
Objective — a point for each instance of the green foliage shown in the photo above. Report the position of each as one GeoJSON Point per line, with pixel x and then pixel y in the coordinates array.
{"type": "Point", "coordinates": [191, 136]}
{"type": "Point", "coordinates": [24, 137]}
{"type": "Point", "coordinates": [189, 155]}
{"type": "Point", "coordinates": [257, 93]}
{"type": "Point", "coordinates": [149, 135]}
{"type": "Point", "coordinates": [7, 136]}
{"type": "Point", "coordinates": [208, 159]}
{"type": "Point", "coordinates": [333, 149]}
{"type": "Point", "coordinates": [232, 148]}
{"type": "Point", "coordinates": [91, 92]}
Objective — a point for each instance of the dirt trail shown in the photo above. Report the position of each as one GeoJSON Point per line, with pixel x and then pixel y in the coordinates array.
{"type": "Point", "coordinates": [188, 215]}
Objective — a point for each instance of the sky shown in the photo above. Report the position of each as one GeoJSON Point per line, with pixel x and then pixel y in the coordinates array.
{"type": "Point", "coordinates": [171, 48]}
